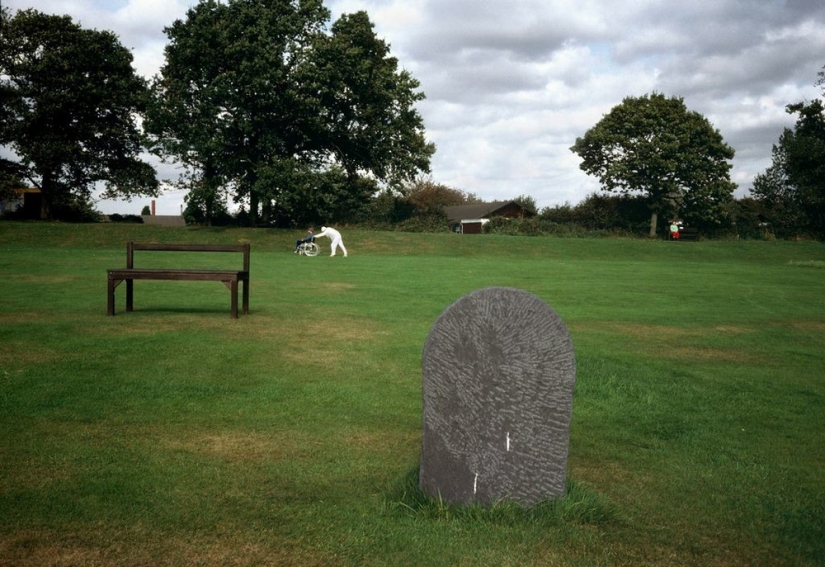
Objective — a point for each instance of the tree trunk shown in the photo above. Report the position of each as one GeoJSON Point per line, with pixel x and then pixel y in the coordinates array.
{"type": "Point", "coordinates": [653, 218]}
{"type": "Point", "coordinates": [253, 207]}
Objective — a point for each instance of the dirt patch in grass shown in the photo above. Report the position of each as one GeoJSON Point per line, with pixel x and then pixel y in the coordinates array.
{"type": "Point", "coordinates": [671, 341]}
{"type": "Point", "coordinates": [22, 318]}
{"type": "Point", "coordinates": [607, 474]}
{"type": "Point", "coordinates": [239, 446]}
{"type": "Point", "coordinates": [645, 333]}
{"type": "Point", "coordinates": [815, 326]}
{"type": "Point", "coordinates": [17, 355]}
{"type": "Point", "coordinates": [337, 340]}
{"type": "Point", "coordinates": [36, 549]}
{"type": "Point", "coordinates": [141, 547]}
{"type": "Point", "coordinates": [336, 286]}
{"type": "Point", "coordinates": [381, 441]}
{"type": "Point", "coordinates": [167, 323]}
{"type": "Point", "coordinates": [708, 353]}
{"type": "Point", "coordinates": [41, 279]}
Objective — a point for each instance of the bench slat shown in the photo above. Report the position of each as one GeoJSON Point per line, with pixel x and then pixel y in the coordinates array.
{"type": "Point", "coordinates": [175, 274]}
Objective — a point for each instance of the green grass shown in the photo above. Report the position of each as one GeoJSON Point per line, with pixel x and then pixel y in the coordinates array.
{"type": "Point", "coordinates": [175, 435]}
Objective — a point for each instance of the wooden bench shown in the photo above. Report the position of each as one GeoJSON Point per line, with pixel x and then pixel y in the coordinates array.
{"type": "Point", "coordinates": [689, 233]}
{"type": "Point", "coordinates": [230, 278]}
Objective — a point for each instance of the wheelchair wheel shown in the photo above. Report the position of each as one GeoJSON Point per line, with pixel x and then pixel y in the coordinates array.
{"type": "Point", "coordinates": [311, 249]}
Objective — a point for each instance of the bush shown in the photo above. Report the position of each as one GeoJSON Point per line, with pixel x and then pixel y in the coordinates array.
{"type": "Point", "coordinates": [435, 221]}
{"type": "Point", "coordinates": [126, 218]}
{"type": "Point", "coordinates": [539, 226]}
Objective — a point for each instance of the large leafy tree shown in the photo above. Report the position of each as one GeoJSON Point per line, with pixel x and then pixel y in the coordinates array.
{"type": "Point", "coordinates": [260, 94]}
{"type": "Point", "coordinates": [370, 124]}
{"type": "Point", "coordinates": [793, 187]}
{"type": "Point", "coordinates": [654, 146]}
{"type": "Point", "coordinates": [69, 100]}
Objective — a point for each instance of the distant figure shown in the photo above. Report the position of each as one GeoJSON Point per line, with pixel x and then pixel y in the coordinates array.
{"type": "Point", "coordinates": [335, 237]}
{"type": "Point", "coordinates": [674, 230]}
{"type": "Point", "coordinates": [310, 237]}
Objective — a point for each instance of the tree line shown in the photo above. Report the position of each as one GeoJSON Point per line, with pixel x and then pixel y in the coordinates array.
{"type": "Point", "coordinates": [265, 102]}
{"type": "Point", "coordinates": [298, 120]}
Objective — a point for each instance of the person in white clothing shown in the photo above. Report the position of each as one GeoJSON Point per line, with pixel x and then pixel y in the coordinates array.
{"type": "Point", "coordinates": [335, 237]}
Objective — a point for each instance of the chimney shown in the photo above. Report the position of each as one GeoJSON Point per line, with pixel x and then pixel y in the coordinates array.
{"type": "Point", "coordinates": [153, 207]}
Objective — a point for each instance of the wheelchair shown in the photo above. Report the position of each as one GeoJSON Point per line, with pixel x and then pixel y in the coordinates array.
{"type": "Point", "coordinates": [308, 249]}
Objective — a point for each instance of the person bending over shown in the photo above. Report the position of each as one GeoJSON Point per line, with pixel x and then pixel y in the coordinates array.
{"type": "Point", "coordinates": [335, 237]}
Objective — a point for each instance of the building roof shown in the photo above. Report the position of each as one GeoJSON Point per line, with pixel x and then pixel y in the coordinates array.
{"type": "Point", "coordinates": [164, 220]}
{"type": "Point", "coordinates": [477, 211]}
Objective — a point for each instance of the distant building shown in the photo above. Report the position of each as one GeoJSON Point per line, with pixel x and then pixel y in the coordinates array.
{"type": "Point", "coordinates": [28, 201]}
{"type": "Point", "coordinates": [469, 219]}
{"type": "Point", "coordinates": [163, 220]}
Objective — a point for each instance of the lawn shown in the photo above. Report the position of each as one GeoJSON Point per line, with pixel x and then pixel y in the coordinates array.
{"type": "Point", "coordinates": [175, 435]}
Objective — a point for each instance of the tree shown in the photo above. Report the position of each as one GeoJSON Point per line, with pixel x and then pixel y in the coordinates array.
{"type": "Point", "coordinates": [261, 95]}
{"type": "Point", "coordinates": [793, 187]}
{"type": "Point", "coordinates": [774, 191]}
{"type": "Point", "coordinates": [654, 146]}
{"type": "Point", "coordinates": [528, 202]}
{"type": "Point", "coordinates": [370, 122]}
{"type": "Point", "coordinates": [69, 100]}
{"type": "Point", "coordinates": [426, 196]}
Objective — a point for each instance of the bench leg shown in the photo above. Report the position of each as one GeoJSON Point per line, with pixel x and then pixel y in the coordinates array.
{"type": "Point", "coordinates": [130, 294]}
{"type": "Point", "coordinates": [246, 297]}
{"type": "Point", "coordinates": [110, 298]}
{"type": "Point", "coordinates": [233, 289]}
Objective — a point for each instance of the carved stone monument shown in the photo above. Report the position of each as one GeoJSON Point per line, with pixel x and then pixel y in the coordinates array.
{"type": "Point", "coordinates": [498, 377]}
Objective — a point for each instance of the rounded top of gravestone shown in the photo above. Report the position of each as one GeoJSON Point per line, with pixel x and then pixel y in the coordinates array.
{"type": "Point", "coordinates": [494, 321]}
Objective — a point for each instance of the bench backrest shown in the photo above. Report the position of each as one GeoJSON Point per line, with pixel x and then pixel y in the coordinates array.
{"type": "Point", "coordinates": [132, 246]}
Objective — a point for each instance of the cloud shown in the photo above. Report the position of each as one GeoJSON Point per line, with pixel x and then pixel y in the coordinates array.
{"type": "Point", "coordinates": [511, 85]}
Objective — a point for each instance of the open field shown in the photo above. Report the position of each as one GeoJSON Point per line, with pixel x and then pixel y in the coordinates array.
{"type": "Point", "coordinates": [175, 435]}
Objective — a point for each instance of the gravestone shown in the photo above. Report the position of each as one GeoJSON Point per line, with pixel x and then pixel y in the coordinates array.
{"type": "Point", "coordinates": [498, 377]}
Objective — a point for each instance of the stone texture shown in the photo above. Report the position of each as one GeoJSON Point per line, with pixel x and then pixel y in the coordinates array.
{"type": "Point", "coordinates": [498, 377]}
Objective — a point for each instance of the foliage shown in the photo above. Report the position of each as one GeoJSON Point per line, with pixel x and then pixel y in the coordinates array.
{"type": "Point", "coordinates": [205, 201]}
{"type": "Point", "coordinates": [146, 210]}
{"type": "Point", "coordinates": [387, 209]}
{"type": "Point", "coordinates": [322, 197]}
{"type": "Point", "coordinates": [655, 146]}
{"type": "Point", "coordinates": [135, 219]}
{"type": "Point", "coordinates": [542, 226]}
{"type": "Point", "coordinates": [746, 220]}
{"type": "Point", "coordinates": [528, 202]}
{"type": "Point", "coordinates": [601, 214]}
{"type": "Point", "coordinates": [370, 124]}
{"type": "Point", "coordinates": [268, 104]}
{"type": "Point", "coordinates": [433, 221]}
{"type": "Point", "coordinates": [426, 196]}
{"type": "Point", "coordinates": [69, 100]}
{"type": "Point", "coordinates": [793, 187]}
{"type": "Point", "coordinates": [10, 180]}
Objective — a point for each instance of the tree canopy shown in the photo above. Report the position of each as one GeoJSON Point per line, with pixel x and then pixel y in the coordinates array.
{"type": "Point", "coordinates": [263, 99]}
{"type": "Point", "coordinates": [793, 187]}
{"type": "Point", "coordinates": [69, 98]}
{"type": "Point", "coordinates": [653, 145]}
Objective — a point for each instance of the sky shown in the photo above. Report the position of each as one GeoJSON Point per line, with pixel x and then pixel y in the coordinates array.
{"type": "Point", "coordinates": [510, 85]}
